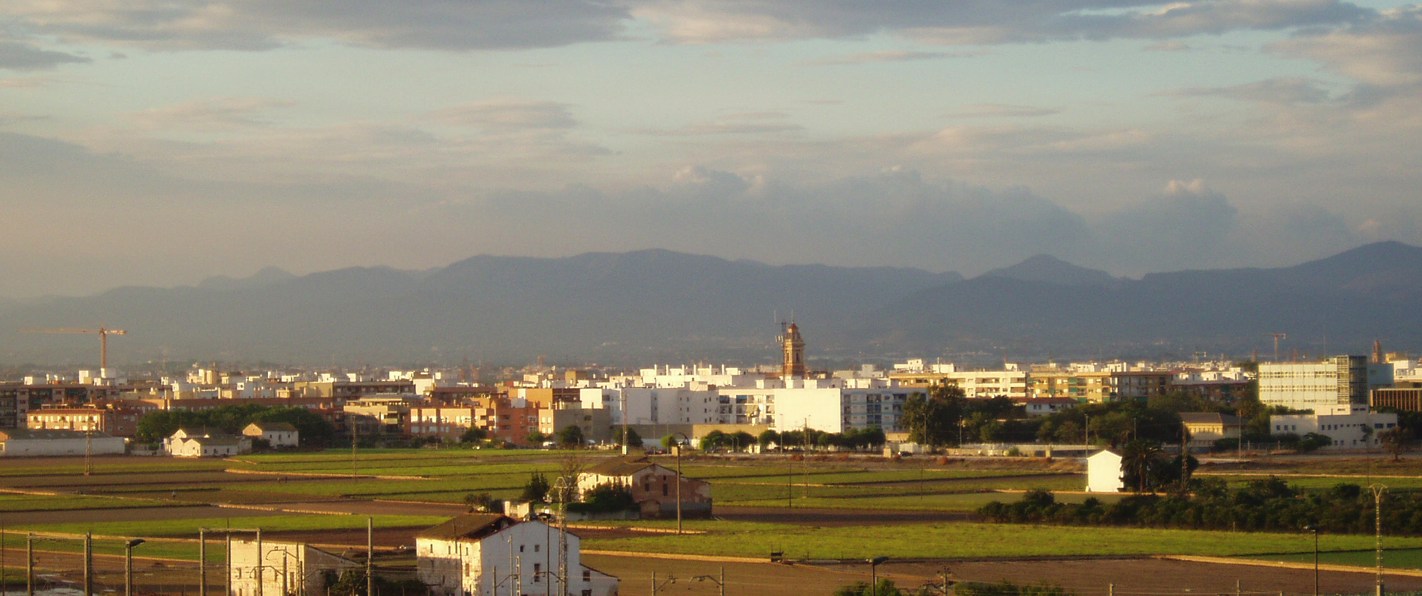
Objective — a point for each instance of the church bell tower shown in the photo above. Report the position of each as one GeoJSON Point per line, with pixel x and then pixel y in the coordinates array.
{"type": "Point", "coordinates": [793, 347]}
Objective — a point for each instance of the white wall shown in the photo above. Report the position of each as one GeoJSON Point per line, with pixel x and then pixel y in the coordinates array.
{"type": "Point", "coordinates": [1103, 473]}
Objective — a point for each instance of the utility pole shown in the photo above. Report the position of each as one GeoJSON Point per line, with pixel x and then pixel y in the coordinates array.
{"type": "Point", "coordinates": [88, 563]}
{"type": "Point", "coordinates": [369, 556]}
{"type": "Point", "coordinates": [202, 561]}
{"type": "Point", "coordinates": [1378, 491]}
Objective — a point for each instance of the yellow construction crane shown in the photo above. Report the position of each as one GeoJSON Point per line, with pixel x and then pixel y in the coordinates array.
{"type": "Point", "coordinates": [102, 332]}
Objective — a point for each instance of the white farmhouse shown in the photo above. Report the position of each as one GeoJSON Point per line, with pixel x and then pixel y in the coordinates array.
{"type": "Point", "coordinates": [276, 434]}
{"type": "Point", "coordinates": [205, 442]}
{"type": "Point", "coordinates": [488, 554]}
{"type": "Point", "coordinates": [1104, 474]}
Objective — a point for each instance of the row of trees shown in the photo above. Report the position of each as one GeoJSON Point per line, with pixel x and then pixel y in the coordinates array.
{"type": "Point", "coordinates": [887, 587]}
{"type": "Point", "coordinates": [945, 416]}
{"type": "Point", "coordinates": [1261, 505]}
{"type": "Point", "coordinates": [314, 430]}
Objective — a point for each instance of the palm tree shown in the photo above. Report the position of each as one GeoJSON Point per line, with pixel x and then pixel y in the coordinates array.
{"type": "Point", "coordinates": [1140, 460]}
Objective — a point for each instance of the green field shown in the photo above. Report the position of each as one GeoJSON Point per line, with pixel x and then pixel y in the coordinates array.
{"type": "Point", "coordinates": [188, 528]}
{"type": "Point", "coordinates": [17, 503]}
{"type": "Point", "coordinates": [954, 540]}
{"type": "Point", "coordinates": [838, 483]}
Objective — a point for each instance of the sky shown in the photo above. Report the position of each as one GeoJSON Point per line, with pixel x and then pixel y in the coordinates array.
{"type": "Point", "coordinates": [160, 142]}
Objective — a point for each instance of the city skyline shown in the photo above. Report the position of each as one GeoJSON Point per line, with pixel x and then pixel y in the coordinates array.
{"type": "Point", "coordinates": [162, 143]}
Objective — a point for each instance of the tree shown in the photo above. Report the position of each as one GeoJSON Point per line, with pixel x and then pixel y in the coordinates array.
{"type": "Point", "coordinates": [1142, 462]}
{"type": "Point", "coordinates": [714, 441]}
{"type": "Point", "coordinates": [474, 435]}
{"type": "Point", "coordinates": [536, 490]}
{"type": "Point", "coordinates": [1396, 441]}
{"type": "Point", "coordinates": [633, 439]}
{"type": "Point", "coordinates": [605, 498]}
{"type": "Point", "coordinates": [767, 437]}
{"type": "Point", "coordinates": [671, 439]}
{"type": "Point", "coordinates": [742, 440]}
{"type": "Point", "coordinates": [933, 419]}
{"type": "Point", "coordinates": [536, 438]}
{"type": "Point", "coordinates": [571, 436]}
{"type": "Point", "coordinates": [481, 502]}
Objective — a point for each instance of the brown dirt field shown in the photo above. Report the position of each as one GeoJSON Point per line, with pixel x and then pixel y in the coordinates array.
{"type": "Point", "coordinates": [835, 517]}
{"type": "Point", "coordinates": [1091, 577]}
{"type": "Point", "coordinates": [135, 514]}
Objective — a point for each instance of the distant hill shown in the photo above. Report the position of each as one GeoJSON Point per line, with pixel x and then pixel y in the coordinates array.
{"type": "Point", "coordinates": [1051, 270]}
{"type": "Point", "coordinates": [267, 276]}
{"type": "Point", "coordinates": [637, 307]}
{"type": "Point", "coordinates": [659, 306]}
{"type": "Point", "coordinates": [1337, 304]}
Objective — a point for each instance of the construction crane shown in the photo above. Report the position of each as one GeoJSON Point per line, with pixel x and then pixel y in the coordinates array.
{"type": "Point", "coordinates": [1277, 337]}
{"type": "Point", "coordinates": [102, 332]}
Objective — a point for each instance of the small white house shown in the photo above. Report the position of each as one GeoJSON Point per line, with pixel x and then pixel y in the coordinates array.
{"type": "Point", "coordinates": [205, 442]}
{"type": "Point", "coordinates": [276, 434]}
{"type": "Point", "coordinates": [1104, 473]}
{"type": "Point", "coordinates": [284, 568]}
{"type": "Point", "coordinates": [489, 554]}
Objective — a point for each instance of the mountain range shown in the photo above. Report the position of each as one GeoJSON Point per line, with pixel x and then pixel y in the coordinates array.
{"type": "Point", "coordinates": [659, 306]}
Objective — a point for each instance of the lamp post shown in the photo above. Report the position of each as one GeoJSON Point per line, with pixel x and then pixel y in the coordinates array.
{"type": "Point", "coordinates": [128, 564]}
{"type": "Point", "coordinates": [720, 581]}
{"type": "Point", "coordinates": [874, 574]}
{"type": "Point", "coordinates": [676, 449]}
{"type": "Point", "coordinates": [1314, 529]}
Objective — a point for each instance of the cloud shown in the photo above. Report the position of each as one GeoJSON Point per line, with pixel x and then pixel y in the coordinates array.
{"type": "Point", "coordinates": [207, 114]}
{"type": "Point", "coordinates": [891, 218]}
{"type": "Point", "coordinates": [1287, 90]}
{"type": "Point", "coordinates": [1383, 53]}
{"type": "Point", "coordinates": [508, 115]}
{"type": "Point", "coordinates": [748, 123]}
{"type": "Point", "coordinates": [517, 24]}
{"type": "Point", "coordinates": [998, 110]}
{"type": "Point", "coordinates": [892, 56]}
{"type": "Point", "coordinates": [1186, 225]}
{"type": "Point", "coordinates": [985, 21]}
{"type": "Point", "coordinates": [264, 24]}
{"type": "Point", "coordinates": [19, 56]}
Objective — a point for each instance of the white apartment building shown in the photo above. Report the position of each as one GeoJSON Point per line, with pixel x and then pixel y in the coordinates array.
{"type": "Point", "coordinates": [1319, 386]}
{"type": "Point", "coordinates": [831, 405]}
{"type": "Point", "coordinates": [1350, 426]}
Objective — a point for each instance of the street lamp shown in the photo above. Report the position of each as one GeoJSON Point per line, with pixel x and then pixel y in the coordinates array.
{"type": "Point", "coordinates": [874, 574]}
{"type": "Point", "coordinates": [720, 581]}
{"type": "Point", "coordinates": [1314, 529]}
{"type": "Point", "coordinates": [676, 449]}
{"type": "Point", "coordinates": [128, 564]}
